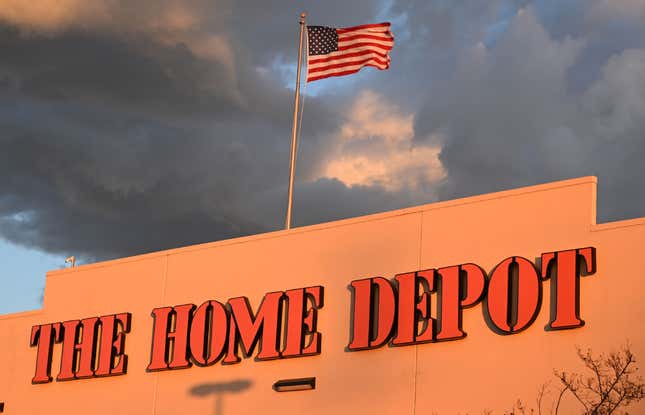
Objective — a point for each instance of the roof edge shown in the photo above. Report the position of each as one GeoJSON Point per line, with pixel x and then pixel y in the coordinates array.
{"type": "Point", "coordinates": [342, 222]}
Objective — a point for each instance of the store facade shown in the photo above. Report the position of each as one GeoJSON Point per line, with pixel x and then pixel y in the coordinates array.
{"type": "Point", "coordinates": [454, 307]}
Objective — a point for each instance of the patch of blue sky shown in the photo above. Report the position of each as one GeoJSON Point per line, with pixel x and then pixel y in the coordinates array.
{"type": "Point", "coordinates": [285, 72]}
{"type": "Point", "coordinates": [505, 14]}
{"type": "Point", "coordinates": [22, 276]}
{"type": "Point", "coordinates": [400, 24]}
{"type": "Point", "coordinates": [21, 217]}
{"type": "Point", "coordinates": [283, 69]}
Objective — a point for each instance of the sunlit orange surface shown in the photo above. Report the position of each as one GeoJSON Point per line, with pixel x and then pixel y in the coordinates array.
{"type": "Point", "coordinates": [483, 371]}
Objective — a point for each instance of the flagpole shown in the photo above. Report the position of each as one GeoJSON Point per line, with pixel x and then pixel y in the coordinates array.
{"type": "Point", "coordinates": [294, 129]}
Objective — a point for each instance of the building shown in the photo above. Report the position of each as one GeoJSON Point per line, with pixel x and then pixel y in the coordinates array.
{"type": "Point", "coordinates": [489, 266]}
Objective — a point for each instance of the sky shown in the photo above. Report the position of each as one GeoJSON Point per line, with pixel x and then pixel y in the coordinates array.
{"type": "Point", "coordinates": [130, 127]}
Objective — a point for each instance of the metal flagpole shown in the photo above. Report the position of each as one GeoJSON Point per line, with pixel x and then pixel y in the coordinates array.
{"type": "Point", "coordinates": [294, 130]}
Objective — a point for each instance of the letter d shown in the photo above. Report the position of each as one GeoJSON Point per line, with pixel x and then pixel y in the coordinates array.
{"type": "Point", "coordinates": [374, 305]}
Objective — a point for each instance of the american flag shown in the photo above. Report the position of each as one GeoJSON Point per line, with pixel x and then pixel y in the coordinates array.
{"type": "Point", "coordinates": [344, 51]}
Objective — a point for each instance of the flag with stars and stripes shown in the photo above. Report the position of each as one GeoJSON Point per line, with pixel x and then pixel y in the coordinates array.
{"type": "Point", "coordinates": [344, 51]}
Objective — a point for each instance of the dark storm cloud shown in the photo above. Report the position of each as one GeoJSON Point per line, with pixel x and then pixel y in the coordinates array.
{"type": "Point", "coordinates": [115, 142]}
{"type": "Point", "coordinates": [128, 127]}
{"type": "Point", "coordinates": [103, 184]}
{"type": "Point", "coordinates": [78, 64]}
{"type": "Point", "coordinates": [510, 117]}
{"type": "Point", "coordinates": [271, 29]}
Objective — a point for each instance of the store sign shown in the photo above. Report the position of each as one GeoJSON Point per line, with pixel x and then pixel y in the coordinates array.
{"type": "Point", "coordinates": [395, 312]}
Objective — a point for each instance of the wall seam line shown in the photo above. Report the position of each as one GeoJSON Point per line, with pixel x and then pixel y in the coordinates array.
{"type": "Point", "coordinates": [416, 347]}
{"type": "Point", "coordinates": [163, 299]}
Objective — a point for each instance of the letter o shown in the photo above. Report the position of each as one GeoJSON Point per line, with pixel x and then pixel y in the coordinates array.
{"type": "Point", "coordinates": [514, 296]}
{"type": "Point", "coordinates": [208, 331]}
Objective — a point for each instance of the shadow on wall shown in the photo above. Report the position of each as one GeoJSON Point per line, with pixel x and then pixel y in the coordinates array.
{"type": "Point", "coordinates": [218, 390]}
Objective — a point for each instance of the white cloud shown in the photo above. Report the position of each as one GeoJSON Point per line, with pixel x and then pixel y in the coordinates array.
{"type": "Point", "coordinates": [616, 103]}
{"type": "Point", "coordinates": [374, 147]}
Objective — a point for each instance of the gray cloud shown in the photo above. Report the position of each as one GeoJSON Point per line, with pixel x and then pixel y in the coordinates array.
{"type": "Point", "coordinates": [509, 117]}
{"type": "Point", "coordinates": [131, 127]}
{"type": "Point", "coordinates": [117, 142]}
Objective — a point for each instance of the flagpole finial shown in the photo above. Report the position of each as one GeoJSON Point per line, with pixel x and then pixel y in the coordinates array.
{"type": "Point", "coordinates": [303, 16]}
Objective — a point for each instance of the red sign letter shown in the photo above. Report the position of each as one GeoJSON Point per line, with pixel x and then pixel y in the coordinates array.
{"type": "Point", "coordinates": [514, 296]}
{"type": "Point", "coordinates": [44, 337]}
{"type": "Point", "coordinates": [413, 308]}
{"type": "Point", "coordinates": [372, 314]}
{"type": "Point", "coordinates": [302, 321]}
{"type": "Point", "coordinates": [565, 269]}
{"type": "Point", "coordinates": [112, 359]}
{"type": "Point", "coordinates": [459, 287]}
{"type": "Point", "coordinates": [79, 346]}
{"type": "Point", "coordinates": [247, 329]}
{"type": "Point", "coordinates": [170, 326]}
{"type": "Point", "coordinates": [208, 331]}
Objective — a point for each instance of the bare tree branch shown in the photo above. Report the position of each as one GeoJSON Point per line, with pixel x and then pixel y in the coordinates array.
{"type": "Point", "coordinates": [540, 396]}
{"type": "Point", "coordinates": [557, 406]}
{"type": "Point", "coordinates": [613, 384]}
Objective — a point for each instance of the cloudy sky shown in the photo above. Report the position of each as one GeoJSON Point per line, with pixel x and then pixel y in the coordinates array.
{"type": "Point", "coordinates": [128, 127]}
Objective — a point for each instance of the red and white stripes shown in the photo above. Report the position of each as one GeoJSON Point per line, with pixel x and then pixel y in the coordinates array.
{"type": "Point", "coordinates": [358, 46]}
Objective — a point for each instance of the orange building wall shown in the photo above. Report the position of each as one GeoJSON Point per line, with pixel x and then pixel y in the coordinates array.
{"type": "Point", "coordinates": [482, 371]}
